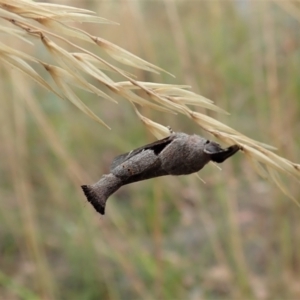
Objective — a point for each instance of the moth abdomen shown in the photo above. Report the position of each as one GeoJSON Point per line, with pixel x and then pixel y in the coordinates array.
{"type": "Point", "coordinates": [98, 193]}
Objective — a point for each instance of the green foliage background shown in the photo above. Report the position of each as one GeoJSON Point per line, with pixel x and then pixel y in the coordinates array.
{"type": "Point", "coordinates": [235, 237]}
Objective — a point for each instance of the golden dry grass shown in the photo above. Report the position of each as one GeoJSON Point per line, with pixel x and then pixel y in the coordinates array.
{"type": "Point", "coordinates": [80, 256]}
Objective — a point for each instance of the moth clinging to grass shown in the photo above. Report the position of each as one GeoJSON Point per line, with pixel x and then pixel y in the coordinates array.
{"type": "Point", "coordinates": [177, 154]}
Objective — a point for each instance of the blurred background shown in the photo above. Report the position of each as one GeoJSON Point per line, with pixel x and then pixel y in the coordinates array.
{"type": "Point", "coordinates": [234, 237]}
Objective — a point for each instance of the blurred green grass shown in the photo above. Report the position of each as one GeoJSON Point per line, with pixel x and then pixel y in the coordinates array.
{"type": "Point", "coordinates": [236, 237]}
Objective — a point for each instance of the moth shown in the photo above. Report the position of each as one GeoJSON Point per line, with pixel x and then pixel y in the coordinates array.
{"type": "Point", "coordinates": [177, 154]}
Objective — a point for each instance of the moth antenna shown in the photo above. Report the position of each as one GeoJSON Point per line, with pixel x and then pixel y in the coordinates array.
{"type": "Point", "coordinates": [170, 129]}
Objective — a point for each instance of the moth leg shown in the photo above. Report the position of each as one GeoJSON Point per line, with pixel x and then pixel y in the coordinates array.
{"type": "Point", "coordinates": [170, 129]}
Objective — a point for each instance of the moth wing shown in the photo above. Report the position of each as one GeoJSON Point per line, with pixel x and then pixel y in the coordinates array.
{"type": "Point", "coordinates": [156, 146]}
{"type": "Point", "coordinates": [118, 160]}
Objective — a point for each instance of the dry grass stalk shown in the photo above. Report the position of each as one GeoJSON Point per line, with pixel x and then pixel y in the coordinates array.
{"type": "Point", "coordinates": [72, 68]}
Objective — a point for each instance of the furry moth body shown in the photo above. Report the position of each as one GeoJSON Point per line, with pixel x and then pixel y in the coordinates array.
{"type": "Point", "coordinates": [178, 154]}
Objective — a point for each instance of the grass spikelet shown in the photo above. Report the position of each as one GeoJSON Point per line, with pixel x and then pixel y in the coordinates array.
{"type": "Point", "coordinates": [277, 180]}
{"type": "Point", "coordinates": [90, 60]}
{"type": "Point", "coordinates": [141, 101]}
{"type": "Point", "coordinates": [158, 130]}
{"type": "Point", "coordinates": [126, 57]}
{"type": "Point", "coordinates": [59, 75]}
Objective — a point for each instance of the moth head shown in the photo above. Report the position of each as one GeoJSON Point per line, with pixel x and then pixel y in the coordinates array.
{"type": "Point", "coordinates": [217, 153]}
{"type": "Point", "coordinates": [211, 147]}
